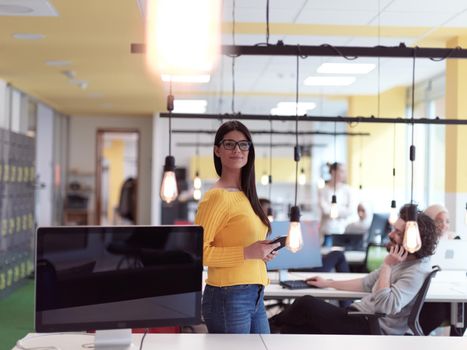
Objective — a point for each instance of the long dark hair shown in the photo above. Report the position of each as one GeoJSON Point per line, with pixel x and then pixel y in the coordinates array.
{"type": "Point", "coordinates": [248, 179]}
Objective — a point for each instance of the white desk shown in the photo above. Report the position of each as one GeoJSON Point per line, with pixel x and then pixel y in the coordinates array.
{"type": "Point", "coordinates": [259, 342]}
{"type": "Point", "coordinates": [447, 287]}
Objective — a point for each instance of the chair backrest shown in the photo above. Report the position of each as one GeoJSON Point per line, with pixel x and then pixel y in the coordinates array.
{"type": "Point", "coordinates": [375, 254]}
{"type": "Point", "coordinates": [413, 323]}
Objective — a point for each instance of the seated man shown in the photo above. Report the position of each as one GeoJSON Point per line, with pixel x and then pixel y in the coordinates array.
{"type": "Point", "coordinates": [392, 288]}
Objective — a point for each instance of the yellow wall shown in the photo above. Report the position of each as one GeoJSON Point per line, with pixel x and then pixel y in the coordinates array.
{"type": "Point", "coordinates": [115, 156]}
{"type": "Point", "coordinates": [377, 150]}
{"type": "Point", "coordinates": [283, 168]}
{"type": "Point", "coordinates": [456, 108]}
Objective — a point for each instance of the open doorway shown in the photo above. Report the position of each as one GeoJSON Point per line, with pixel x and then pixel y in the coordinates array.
{"type": "Point", "coordinates": [117, 176]}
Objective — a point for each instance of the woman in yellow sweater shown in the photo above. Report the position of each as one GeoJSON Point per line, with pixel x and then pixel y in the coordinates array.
{"type": "Point", "coordinates": [235, 228]}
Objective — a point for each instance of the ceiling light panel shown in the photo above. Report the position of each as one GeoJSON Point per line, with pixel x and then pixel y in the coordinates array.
{"type": "Point", "coordinates": [190, 106]}
{"type": "Point", "coordinates": [58, 63]}
{"type": "Point", "coordinates": [34, 8]}
{"type": "Point", "coordinates": [28, 36]}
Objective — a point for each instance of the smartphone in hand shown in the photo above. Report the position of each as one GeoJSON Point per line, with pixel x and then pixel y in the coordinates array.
{"type": "Point", "coordinates": [280, 240]}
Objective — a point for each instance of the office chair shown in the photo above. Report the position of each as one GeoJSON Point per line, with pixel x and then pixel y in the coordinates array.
{"type": "Point", "coordinates": [414, 325]}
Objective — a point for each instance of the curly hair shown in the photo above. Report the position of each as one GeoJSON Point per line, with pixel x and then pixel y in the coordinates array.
{"type": "Point", "coordinates": [428, 231]}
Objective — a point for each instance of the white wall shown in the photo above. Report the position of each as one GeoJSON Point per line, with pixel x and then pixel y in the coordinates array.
{"type": "Point", "coordinates": [83, 131]}
{"type": "Point", "coordinates": [4, 105]}
{"type": "Point", "coordinates": [44, 165]}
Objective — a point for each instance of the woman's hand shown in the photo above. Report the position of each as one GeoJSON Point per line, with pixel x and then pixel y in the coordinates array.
{"type": "Point", "coordinates": [397, 254]}
{"type": "Point", "coordinates": [261, 250]}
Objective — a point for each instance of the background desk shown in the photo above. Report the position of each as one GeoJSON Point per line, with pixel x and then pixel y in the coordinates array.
{"type": "Point", "coordinates": [446, 287]}
{"type": "Point", "coordinates": [259, 342]}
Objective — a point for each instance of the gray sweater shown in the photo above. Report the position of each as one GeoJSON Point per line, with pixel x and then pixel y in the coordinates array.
{"type": "Point", "coordinates": [396, 302]}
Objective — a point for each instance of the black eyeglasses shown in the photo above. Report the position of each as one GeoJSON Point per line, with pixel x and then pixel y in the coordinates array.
{"type": "Point", "coordinates": [230, 145]}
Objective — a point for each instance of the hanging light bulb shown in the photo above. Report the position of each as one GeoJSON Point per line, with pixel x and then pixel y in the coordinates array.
{"type": "Point", "coordinates": [294, 240]}
{"type": "Point", "coordinates": [264, 179]}
{"type": "Point", "coordinates": [196, 194]}
{"type": "Point", "coordinates": [270, 215]}
{"type": "Point", "coordinates": [393, 214]}
{"type": "Point", "coordinates": [197, 181]}
{"type": "Point", "coordinates": [412, 241]}
{"type": "Point", "coordinates": [302, 177]}
{"type": "Point", "coordinates": [169, 191]}
{"type": "Point", "coordinates": [334, 211]}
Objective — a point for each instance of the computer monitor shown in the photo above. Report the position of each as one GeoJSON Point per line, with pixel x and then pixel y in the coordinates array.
{"type": "Point", "coordinates": [99, 278]}
{"type": "Point", "coordinates": [308, 257]}
{"type": "Point", "coordinates": [379, 228]}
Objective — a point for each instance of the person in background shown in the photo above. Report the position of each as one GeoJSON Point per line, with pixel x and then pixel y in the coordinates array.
{"type": "Point", "coordinates": [345, 202]}
{"type": "Point", "coordinates": [440, 215]}
{"type": "Point", "coordinates": [235, 228]}
{"type": "Point", "coordinates": [392, 289]}
{"type": "Point", "coordinates": [364, 220]}
{"type": "Point", "coordinates": [434, 315]}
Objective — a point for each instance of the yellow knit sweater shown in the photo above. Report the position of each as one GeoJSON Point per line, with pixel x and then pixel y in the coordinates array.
{"type": "Point", "coordinates": [230, 224]}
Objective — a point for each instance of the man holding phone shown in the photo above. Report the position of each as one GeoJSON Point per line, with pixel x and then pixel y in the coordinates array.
{"type": "Point", "coordinates": [392, 290]}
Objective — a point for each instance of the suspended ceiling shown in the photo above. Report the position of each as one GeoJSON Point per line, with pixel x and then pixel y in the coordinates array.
{"type": "Point", "coordinates": [99, 75]}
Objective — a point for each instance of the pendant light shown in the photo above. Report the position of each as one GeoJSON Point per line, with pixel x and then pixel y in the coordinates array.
{"type": "Point", "coordinates": [270, 213]}
{"type": "Point", "coordinates": [412, 241]}
{"type": "Point", "coordinates": [334, 212]}
{"type": "Point", "coordinates": [294, 240]}
{"type": "Point", "coordinates": [302, 177]}
{"type": "Point", "coordinates": [393, 214]}
{"type": "Point", "coordinates": [169, 190]}
{"type": "Point", "coordinates": [264, 177]}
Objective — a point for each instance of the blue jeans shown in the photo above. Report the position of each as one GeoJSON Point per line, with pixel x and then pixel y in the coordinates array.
{"type": "Point", "coordinates": [235, 309]}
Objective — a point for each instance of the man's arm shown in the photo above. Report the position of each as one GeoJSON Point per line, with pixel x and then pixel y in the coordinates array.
{"type": "Point", "coordinates": [353, 285]}
{"type": "Point", "coordinates": [396, 255]}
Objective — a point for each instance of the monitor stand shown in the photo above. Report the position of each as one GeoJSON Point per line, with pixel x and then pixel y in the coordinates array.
{"type": "Point", "coordinates": [283, 275]}
{"type": "Point", "coordinates": [115, 339]}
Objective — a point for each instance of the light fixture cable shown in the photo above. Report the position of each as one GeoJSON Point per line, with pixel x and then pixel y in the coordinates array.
{"type": "Point", "coordinates": [270, 160]}
{"type": "Point", "coordinates": [294, 241]}
{"type": "Point", "coordinates": [267, 22]}
{"type": "Point", "coordinates": [170, 108]}
{"type": "Point", "coordinates": [297, 150]}
{"type": "Point", "coordinates": [233, 58]}
{"type": "Point", "coordinates": [412, 146]}
{"type": "Point", "coordinates": [412, 241]}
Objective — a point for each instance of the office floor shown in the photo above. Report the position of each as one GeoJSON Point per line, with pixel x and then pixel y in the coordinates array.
{"type": "Point", "coordinates": [16, 315]}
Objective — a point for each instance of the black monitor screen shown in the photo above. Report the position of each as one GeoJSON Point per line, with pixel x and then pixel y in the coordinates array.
{"type": "Point", "coordinates": [123, 277]}
{"type": "Point", "coordinates": [379, 228]}
{"type": "Point", "coordinates": [306, 258]}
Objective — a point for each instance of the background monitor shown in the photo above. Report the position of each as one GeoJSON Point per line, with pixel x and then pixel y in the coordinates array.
{"type": "Point", "coordinates": [306, 258]}
{"type": "Point", "coordinates": [379, 228]}
{"type": "Point", "coordinates": [123, 277]}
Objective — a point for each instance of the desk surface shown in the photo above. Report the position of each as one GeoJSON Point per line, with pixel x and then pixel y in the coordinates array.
{"type": "Point", "coordinates": [446, 287]}
{"type": "Point", "coordinates": [257, 342]}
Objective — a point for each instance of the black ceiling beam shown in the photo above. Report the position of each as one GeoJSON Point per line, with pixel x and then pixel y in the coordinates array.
{"type": "Point", "coordinates": [315, 118]}
{"type": "Point", "coordinates": [275, 132]}
{"type": "Point", "coordinates": [257, 144]}
{"type": "Point", "coordinates": [400, 51]}
{"type": "Point", "coordinates": [280, 49]}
